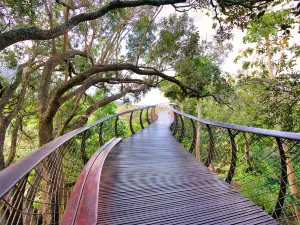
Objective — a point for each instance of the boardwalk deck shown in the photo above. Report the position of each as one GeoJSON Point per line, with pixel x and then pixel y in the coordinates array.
{"type": "Point", "coordinates": [151, 179]}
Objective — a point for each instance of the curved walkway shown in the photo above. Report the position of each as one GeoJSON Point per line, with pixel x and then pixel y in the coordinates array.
{"type": "Point", "coordinates": [150, 178]}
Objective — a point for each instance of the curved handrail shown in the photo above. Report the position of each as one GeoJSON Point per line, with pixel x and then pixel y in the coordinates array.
{"type": "Point", "coordinates": [82, 206]}
{"type": "Point", "coordinates": [11, 175]}
{"type": "Point", "coordinates": [273, 133]}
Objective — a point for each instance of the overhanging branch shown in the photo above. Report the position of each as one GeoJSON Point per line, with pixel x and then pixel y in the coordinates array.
{"type": "Point", "coordinates": [34, 33]}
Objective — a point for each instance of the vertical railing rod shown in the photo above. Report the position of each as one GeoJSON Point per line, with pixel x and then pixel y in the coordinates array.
{"type": "Point", "coordinates": [130, 123]}
{"type": "Point", "coordinates": [116, 127]}
{"type": "Point", "coordinates": [101, 142]}
{"type": "Point", "coordinates": [283, 181]}
{"type": "Point", "coordinates": [83, 147]}
{"type": "Point", "coordinates": [141, 119]}
{"type": "Point", "coordinates": [233, 158]}
{"type": "Point", "coordinates": [182, 131]}
{"type": "Point", "coordinates": [211, 147]}
{"type": "Point", "coordinates": [193, 144]}
{"type": "Point", "coordinates": [148, 121]}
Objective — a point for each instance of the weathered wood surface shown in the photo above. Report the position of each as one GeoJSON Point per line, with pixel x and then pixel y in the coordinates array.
{"type": "Point", "coordinates": [151, 179]}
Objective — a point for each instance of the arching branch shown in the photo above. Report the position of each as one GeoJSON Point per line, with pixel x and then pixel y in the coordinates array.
{"type": "Point", "coordinates": [34, 33]}
{"type": "Point", "coordinates": [84, 117]}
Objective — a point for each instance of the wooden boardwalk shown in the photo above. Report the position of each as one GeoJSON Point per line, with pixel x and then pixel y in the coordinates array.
{"type": "Point", "coordinates": [150, 178]}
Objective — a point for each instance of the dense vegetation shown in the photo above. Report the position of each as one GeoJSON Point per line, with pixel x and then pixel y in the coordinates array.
{"type": "Point", "coordinates": [72, 59]}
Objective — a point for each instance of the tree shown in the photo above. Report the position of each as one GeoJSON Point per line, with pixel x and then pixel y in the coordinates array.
{"type": "Point", "coordinates": [204, 75]}
{"type": "Point", "coordinates": [34, 33]}
{"type": "Point", "coordinates": [278, 79]}
{"type": "Point", "coordinates": [98, 62]}
{"type": "Point", "coordinates": [174, 93]}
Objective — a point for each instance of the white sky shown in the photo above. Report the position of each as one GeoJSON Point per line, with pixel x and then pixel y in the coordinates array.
{"type": "Point", "coordinates": [204, 24]}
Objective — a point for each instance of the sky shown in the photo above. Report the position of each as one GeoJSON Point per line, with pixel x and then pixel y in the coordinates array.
{"type": "Point", "coordinates": [204, 24]}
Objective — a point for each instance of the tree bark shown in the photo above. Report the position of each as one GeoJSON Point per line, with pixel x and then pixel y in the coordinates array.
{"type": "Point", "coordinates": [14, 138]}
{"type": "Point", "coordinates": [269, 56]}
{"type": "Point", "coordinates": [66, 41]}
{"type": "Point", "coordinates": [198, 138]}
{"type": "Point", "coordinates": [247, 150]}
{"type": "Point", "coordinates": [52, 62]}
{"type": "Point", "coordinates": [3, 128]}
{"type": "Point", "coordinates": [34, 33]}
{"type": "Point", "coordinates": [119, 67]}
{"type": "Point", "coordinates": [49, 9]}
{"type": "Point", "coordinates": [181, 105]}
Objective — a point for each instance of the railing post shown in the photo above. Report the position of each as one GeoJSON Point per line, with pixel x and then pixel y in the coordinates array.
{"type": "Point", "coordinates": [233, 158]}
{"type": "Point", "coordinates": [83, 152]}
{"type": "Point", "coordinates": [141, 119]}
{"type": "Point", "coordinates": [192, 147]}
{"type": "Point", "coordinates": [283, 181]}
{"type": "Point", "coordinates": [116, 127]}
{"type": "Point", "coordinates": [130, 123]}
{"type": "Point", "coordinates": [101, 142]}
{"type": "Point", "coordinates": [175, 124]}
{"type": "Point", "coordinates": [148, 121]}
{"type": "Point", "coordinates": [211, 147]}
{"type": "Point", "coordinates": [182, 130]}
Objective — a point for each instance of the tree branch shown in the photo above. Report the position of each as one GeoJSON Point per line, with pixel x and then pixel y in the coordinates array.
{"type": "Point", "coordinates": [34, 33]}
{"type": "Point", "coordinates": [84, 117]}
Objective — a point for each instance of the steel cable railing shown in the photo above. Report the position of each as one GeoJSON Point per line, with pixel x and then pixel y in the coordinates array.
{"type": "Point", "coordinates": [263, 165]}
{"type": "Point", "coordinates": [36, 189]}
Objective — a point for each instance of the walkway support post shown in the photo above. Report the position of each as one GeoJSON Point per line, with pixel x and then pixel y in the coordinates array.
{"type": "Point", "coordinates": [130, 123]}
{"type": "Point", "coordinates": [141, 119]}
{"type": "Point", "coordinates": [211, 147]}
{"type": "Point", "coordinates": [181, 136]}
{"type": "Point", "coordinates": [148, 120]}
{"type": "Point", "coordinates": [101, 142]}
{"type": "Point", "coordinates": [233, 158]}
{"type": "Point", "coordinates": [116, 127]}
{"type": "Point", "coordinates": [83, 147]}
{"type": "Point", "coordinates": [283, 181]}
{"type": "Point", "coordinates": [193, 143]}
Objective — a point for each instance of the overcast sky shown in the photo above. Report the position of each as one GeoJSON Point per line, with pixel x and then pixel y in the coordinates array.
{"type": "Point", "coordinates": [204, 25]}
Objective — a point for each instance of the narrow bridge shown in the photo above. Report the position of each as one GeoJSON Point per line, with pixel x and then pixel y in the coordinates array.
{"type": "Point", "coordinates": [151, 177]}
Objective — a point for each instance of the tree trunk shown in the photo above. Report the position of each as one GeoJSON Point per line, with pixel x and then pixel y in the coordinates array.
{"type": "Point", "coordinates": [247, 151]}
{"type": "Point", "coordinates": [49, 179]}
{"type": "Point", "coordinates": [50, 12]}
{"type": "Point", "coordinates": [291, 176]}
{"type": "Point", "coordinates": [14, 138]}
{"type": "Point", "coordinates": [269, 56]}
{"type": "Point", "coordinates": [45, 130]}
{"type": "Point", "coordinates": [198, 149]}
{"type": "Point", "coordinates": [181, 105]}
{"type": "Point", "coordinates": [65, 42]}
{"type": "Point", "coordinates": [2, 139]}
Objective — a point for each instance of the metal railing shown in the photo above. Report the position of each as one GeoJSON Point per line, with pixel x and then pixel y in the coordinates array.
{"type": "Point", "coordinates": [36, 189]}
{"type": "Point", "coordinates": [263, 165]}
